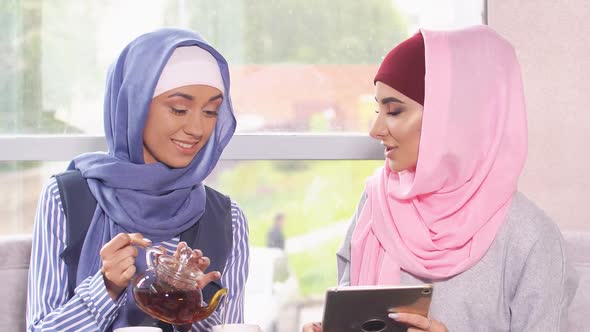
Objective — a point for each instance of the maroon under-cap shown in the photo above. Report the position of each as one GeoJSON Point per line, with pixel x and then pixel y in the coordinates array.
{"type": "Point", "coordinates": [403, 68]}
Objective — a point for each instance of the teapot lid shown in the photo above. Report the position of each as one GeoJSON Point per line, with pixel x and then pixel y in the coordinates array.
{"type": "Point", "coordinates": [184, 267]}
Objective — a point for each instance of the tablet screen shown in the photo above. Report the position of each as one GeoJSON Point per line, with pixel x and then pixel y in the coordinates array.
{"type": "Point", "coordinates": [365, 308]}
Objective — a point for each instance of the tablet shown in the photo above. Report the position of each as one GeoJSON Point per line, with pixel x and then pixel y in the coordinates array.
{"type": "Point", "coordinates": [365, 308]}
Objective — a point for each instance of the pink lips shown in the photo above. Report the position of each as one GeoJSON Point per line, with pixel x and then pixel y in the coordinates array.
{"type": "Point", "coordinates": [185, 149]}
{"type": "Point", "coordinates": [389, 151]}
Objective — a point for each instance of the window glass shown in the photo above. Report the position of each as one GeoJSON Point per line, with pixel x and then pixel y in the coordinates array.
{"type": "Point", "coordinates": [296, 65]}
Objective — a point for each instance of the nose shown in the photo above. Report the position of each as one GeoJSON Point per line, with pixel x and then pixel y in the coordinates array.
{"type": "Point", "coordinates": [378, 129]}
{"type": "Point", "coordinates": [194, 125]}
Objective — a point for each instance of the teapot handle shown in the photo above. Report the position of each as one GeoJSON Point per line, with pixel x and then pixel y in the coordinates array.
{"type": "Point", "coordinates": [149, 251]}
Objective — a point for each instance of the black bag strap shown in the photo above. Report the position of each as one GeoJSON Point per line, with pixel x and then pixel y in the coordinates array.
{"type": "Point", "coordinates": [78, 205]}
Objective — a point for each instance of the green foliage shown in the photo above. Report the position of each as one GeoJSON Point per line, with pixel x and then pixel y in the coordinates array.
{"type": "Point", "coordinates": [299, 31]}
{"type": "Point", "coordinates": [311, 195]}
{"type": "Point", "coordinates": [28, 101]}
{"type": "Point", "coordinates": [16, 166]}
{"type": "Point", "coordinates": [322, 31]}
{"type": "Point", "coordinates": [316, 269]}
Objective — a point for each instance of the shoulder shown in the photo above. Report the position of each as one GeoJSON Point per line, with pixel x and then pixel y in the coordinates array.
{"type": "Point", "coordinates": [362, 201]}
{"type": "Point", "coordinates": [50, 219]}
{"type": "Point", "coordinates": [528, 225]}
{"type": "Point", "coordinates": [345, 246]}
{"type": "Point", "coordinates": [222, 201]}
{"type": "Point", "coordinates": [240, 229]}
{"type": "Point", "coordinates": [217, 199]}
{"type": "Point", "coordinates": [237, 213]}
{"type": "Point", "coordinates": [530, 221]}
{"type": "Point", "coordinates": [359, 208]}
{"type": "Point", "coordinates": [50, 195]}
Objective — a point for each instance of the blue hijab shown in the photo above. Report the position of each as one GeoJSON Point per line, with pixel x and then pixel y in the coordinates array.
{"type": "Point", "coordinates": [153, 199]}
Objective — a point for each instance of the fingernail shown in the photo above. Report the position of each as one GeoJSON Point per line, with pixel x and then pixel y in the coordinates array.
{"type": "Point", "coordinates": [393, 315]}
{"type": "Point", "coordinates": [317, 324]}
{"type": "Point", "coordinates": [217, 274]}
{"type": "Point", "coordinates": [147, 240]}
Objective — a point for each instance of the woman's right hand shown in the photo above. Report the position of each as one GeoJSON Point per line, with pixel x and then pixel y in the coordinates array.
{"type": "Point", "coordinates": [118, 261]}
{"type": "Point", "coordinates": [312, 327]}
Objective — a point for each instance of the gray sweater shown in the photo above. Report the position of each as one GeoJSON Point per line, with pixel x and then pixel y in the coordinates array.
{"type": "Point", "coordinates": [523, 282]}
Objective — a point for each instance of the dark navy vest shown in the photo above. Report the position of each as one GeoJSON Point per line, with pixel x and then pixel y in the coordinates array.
{"type": "Point", "coordinates": [212, 233]}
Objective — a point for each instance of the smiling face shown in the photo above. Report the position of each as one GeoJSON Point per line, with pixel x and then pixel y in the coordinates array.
{"type": "Point", "coordinates": [179, 124]}
{"type": "Point", "coordinates": [398, 126]}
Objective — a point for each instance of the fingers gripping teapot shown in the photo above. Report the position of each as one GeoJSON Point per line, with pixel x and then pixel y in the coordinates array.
{"type": "Point", "coordinates": [168, 290]}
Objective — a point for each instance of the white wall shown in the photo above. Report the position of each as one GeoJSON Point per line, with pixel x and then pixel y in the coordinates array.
{"type": "Point", "coordinates": [552, 39]}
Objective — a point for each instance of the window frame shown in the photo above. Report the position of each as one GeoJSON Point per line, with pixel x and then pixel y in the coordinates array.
{"type": "Point", "coordinates": [243, 146]}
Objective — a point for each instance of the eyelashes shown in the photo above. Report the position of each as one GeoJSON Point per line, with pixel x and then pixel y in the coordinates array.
{"type": "Point", "coordinates": [181, 112]}
{"type": "Point", "coordinates": [177, 111]}
{"type": "Point", "coordinates": [211, 114]}
{"type": "Point", "coordinates": [393, 112]}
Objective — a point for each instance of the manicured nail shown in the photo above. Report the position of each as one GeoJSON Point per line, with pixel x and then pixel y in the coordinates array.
{"type": "Point", "coordinates": [393, 315]}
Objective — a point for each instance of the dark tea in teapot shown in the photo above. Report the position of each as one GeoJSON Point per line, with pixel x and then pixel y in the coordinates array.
{"type": "Point", "coordinates": [172, 306]}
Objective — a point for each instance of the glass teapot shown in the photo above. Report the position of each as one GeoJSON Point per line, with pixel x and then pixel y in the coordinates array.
{"type": "Point", "coordinates": [168, 289]}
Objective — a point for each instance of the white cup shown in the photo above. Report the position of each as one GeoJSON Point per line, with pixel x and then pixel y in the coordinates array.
{"type": "Point", "coordinates": [236, 328]}
{"type": "Point", "coordinates": [138, 329]}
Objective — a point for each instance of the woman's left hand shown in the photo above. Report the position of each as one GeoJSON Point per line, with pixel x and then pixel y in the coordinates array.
{"type": "Point", "coordinates": [418, 323]}
{"type": "Point", "coordinates": [202, 263]}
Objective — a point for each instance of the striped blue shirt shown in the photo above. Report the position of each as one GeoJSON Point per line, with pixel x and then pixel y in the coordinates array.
{"type": "Point", "coordinates": [91, 308]}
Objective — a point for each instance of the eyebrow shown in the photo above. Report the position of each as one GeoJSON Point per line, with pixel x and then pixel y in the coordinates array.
{"type": "Point", "coordinates": [388, 100]}
{"type": "Point", "coordinates": [189, 97]}
{"type": "Point", "coordinates": [183, 95]}
{"type": "Point", "coordinates": [219, 96]}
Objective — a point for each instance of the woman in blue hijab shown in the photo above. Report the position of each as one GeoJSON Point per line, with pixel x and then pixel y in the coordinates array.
{"type": "Point", "coordinates": [168, 117]}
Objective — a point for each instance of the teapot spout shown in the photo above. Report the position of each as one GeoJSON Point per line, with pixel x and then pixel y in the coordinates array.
{"type": "Point", "coordinates": [208, 310]}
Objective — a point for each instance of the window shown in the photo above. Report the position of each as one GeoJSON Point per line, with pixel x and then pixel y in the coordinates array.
{"type": "Point", "coordinates": [301, 86]}
{"type": "Point", "coordinates": [295, 66]}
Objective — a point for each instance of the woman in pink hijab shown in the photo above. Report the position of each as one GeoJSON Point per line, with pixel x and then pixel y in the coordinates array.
{"type": "Point", "coordinates": [444, 209]}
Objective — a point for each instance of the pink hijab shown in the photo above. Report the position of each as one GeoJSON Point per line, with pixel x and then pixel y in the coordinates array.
{"type": "Point", "coordinates": [440, 219]}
